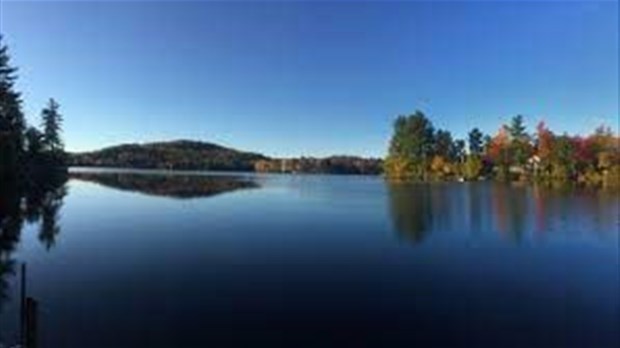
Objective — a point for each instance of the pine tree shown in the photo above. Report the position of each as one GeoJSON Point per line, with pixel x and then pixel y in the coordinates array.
{"type": "Point", "coordinates": [475, 142]}
{"type": "Point", "coordinates": [517, 128]}
{"type": "Point", "coordinates": [520, 147]}
{"type": "Point", "coordinates": [12, 123]}
{"type": "Point", "coordinates": [34, 143]}
{"type": "Point", "coordinates": [52, 128]}
{"type": "Point", "coordinates": [443, 144]}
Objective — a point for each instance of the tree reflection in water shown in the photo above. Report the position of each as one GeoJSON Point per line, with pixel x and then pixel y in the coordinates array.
{"type": "Point", "coordinates": [27, 202]}
{"type": "Point", "coordinates": [41, 203]}
{"type": "Point", "coordinates": [411, 210]}
{"type": "Point", "coordinates": [510, 206]}
{"type": "Point", "coordinates": [495, 210]}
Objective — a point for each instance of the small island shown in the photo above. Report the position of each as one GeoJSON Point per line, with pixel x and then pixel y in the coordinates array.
{"type": "Point", "coordinates": [419, 152]}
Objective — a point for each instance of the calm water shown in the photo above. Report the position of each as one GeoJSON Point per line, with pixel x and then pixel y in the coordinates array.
{"type": "Point", "coordinates": [135, 260]}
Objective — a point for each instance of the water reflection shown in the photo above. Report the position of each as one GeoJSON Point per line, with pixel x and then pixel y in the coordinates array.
{"type": "Point", "coordinates": [306, 263]}
{"type": "Point", "coordinates": [411, 210]}
{"type": "Point", "coordinates": [498, 211]}
{"type": "Point", "coordinates": [510, 205]}
{"type": "Point", "coordinates": [30, 202]}
{"type": "Point", "coordinates": [167, 185]}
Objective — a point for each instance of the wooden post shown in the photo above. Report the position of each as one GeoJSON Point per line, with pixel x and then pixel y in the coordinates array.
{"type": "Point", "coordinates": [22, 313]}
{"type": "Point", "coordinates": [31, 323]}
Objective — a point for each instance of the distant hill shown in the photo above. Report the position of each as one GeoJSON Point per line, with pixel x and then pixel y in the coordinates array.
{"type": "Point", "coordinates": [179, 154]}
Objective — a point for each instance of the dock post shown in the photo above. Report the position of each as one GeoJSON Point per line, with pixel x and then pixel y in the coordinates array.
{"type": "Point", "coordinates": [31, 323]}
{"type": "Point", "coordinates": [22, 312]}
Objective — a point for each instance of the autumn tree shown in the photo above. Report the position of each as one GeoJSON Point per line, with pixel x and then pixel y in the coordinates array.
{"type": "Point", "coordinates": [498, 152]}
{"type": "Point", "coordinates": [607, 147]}
{"type": "Point", "coordinates": [472, 168]}
{"type": "Point", "coordinates": [442, 154]}
{"type": "Point", "coordinates": [544, 142]}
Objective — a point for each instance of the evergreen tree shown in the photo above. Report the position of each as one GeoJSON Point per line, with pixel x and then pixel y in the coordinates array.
{"type": "Point", "coordinates": [516, 130]}
{"type": "Point", "coordinates": [52, 128]}
{"type": "Point", "coordinates": [12, 123]}
{"type": "Point", "coordinates": [34, 143]}
{"type": "Point", "coordinates": [563, 163]}
{"type": "Point", "coordinates": [520, 147]}
{"type": "Point", "coordinates": [443, 144]}
{"type": "Point", "coordinates": [475, 142]}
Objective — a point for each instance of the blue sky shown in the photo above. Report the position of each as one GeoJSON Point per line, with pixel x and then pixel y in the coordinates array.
{"type": "Point", "coordinates": [299, 78]}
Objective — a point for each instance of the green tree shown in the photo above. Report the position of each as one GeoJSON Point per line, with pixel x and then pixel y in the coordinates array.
{"type": "Point", "coordinates": [12, 123]}
{"type": "Point", "coordinates": [520, 147]}
{"type": "Point", "coordinates": [411, 147]}
{"type": "Point", "coordinates": [475, 142]}
{"type": "Point", "coordinates": [516, 130]}
{"type": "Point", "coordinates": [563, 159]}
{"type": "Point", "coordinates": [443, 144]}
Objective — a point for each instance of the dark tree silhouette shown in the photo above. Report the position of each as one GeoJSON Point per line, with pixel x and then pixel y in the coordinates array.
{"type": "Point", "coordinates": [52, 127]}
{"type": "Point", "coordinates": [12, 122]}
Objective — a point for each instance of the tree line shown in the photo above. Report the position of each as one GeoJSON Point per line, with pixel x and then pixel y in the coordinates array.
{"type": "Point", "coordinates": [328, 165]}
{"type": "Point", "coordinates": [26, 152]}
{"type": "Point", "coordinates": [420, 152]}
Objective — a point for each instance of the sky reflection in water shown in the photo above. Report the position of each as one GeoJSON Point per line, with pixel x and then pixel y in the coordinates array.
{"type": "Point", "coordinates": [322, 260]}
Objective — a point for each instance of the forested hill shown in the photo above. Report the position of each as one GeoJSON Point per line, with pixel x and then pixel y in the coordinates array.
{"type": "Point", "coordinates": [180, 154]}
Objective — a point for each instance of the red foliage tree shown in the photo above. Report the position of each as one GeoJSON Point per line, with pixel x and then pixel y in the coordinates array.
{"type": "Point", "coordinates": [545, 138]}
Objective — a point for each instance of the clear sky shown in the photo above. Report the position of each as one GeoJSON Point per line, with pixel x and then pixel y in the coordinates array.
{"type": "Point", "coordinates": [292, 78]}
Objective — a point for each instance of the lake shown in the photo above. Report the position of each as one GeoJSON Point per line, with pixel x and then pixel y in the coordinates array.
{"type": "Point", "coordinates": [150, 259]}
